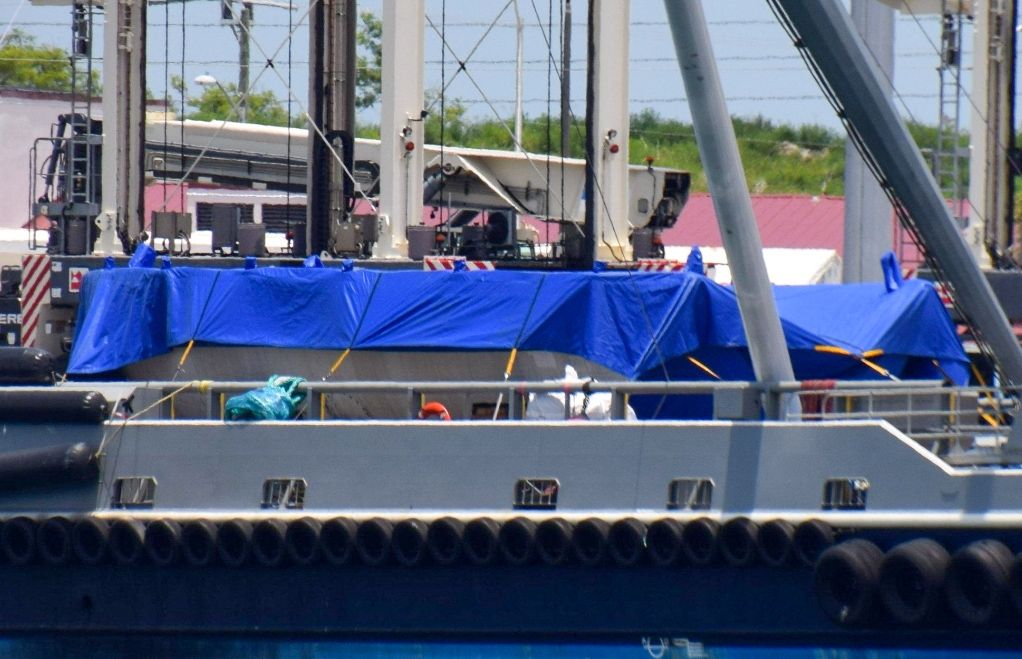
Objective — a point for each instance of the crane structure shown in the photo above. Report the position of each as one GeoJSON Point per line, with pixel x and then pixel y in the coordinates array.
{"type": "Point", "coordinates": [822, 32]}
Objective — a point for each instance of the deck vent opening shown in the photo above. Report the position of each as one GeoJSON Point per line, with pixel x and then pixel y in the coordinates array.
{"type": "Point", "coordinates": [288, 493]}
{"type": "Point", "coordinates": [536, 493]}
{"type": "Point", "coordinates": [134, 492]}
{"type": "Point", "coordinates": [845, 493]}
{"type": "Point", "coordinates": [690, 494]}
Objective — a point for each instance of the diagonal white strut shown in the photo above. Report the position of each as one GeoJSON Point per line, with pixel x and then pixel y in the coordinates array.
{"type": "Point", "coordinates": [718, 151]}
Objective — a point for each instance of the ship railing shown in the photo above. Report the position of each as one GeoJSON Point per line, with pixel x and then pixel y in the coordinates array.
{"type": "Point", "coordinates": [960, 424]}
{"type": "Point", "coordinates": [916, 408]}
{"type": "Point", "coordinates": [466, 400]}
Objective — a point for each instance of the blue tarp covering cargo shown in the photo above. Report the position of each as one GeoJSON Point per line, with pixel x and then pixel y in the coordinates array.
{"type": "Point", "coordinates": [644, 326]}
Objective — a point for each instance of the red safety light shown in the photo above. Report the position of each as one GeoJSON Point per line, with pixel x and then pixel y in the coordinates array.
{"type": "Point", "coordinates": [614, 148]}
{"type": "Point", "coordinates": [409, 146]}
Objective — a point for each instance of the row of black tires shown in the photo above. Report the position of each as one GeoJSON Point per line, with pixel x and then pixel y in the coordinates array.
{"type": "Point", "coordinates": [919, 583]}
{"type": "Point", "coordinates": [410, 542]}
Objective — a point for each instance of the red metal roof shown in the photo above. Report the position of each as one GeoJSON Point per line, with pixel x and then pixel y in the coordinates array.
{"type": "Point", "coordinates": [798, 221]}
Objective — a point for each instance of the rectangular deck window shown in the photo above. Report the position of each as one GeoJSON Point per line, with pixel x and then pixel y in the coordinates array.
{"type": "Point", "coordinates": [536, 494]}
{"type": "Point", "coordinates": [286, 493]}
{"type": "Point", "coordinates": [690, 494]}
{"type": "Point", "coordinates": [845, 493]}
{"type": "Point", "coordinates": [134, 492]}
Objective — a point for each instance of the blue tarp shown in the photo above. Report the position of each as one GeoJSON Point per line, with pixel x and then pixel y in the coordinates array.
{"type": "Point", "coordinates": [644, 326]}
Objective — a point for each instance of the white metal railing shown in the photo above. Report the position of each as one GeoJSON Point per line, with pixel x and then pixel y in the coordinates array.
{"type": "Point", "coordinates": [950, 421]}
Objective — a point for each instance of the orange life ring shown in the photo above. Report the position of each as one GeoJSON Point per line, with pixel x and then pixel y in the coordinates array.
{"type": "Point", "coordinates": [434, 409]}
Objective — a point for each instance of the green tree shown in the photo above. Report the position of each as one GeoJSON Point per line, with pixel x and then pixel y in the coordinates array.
{"type": "Point", "coordinates": [28, 65]}
{"type": "Point", "coordinates": [370, 60]}
{"type": "Point", "coordinates": [220, 101]}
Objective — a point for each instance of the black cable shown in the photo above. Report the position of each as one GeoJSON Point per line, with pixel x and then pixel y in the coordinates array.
{"type": "Point", "coordinates": [184, 31]}
{"type": "Point", "coordinates": [443, 83]}
{"type": "Point", "coordinates": [549, 92]}
{"type": "Point", "coordinates": [166, 87]}
{"type": "Point", "coordinates": [287, 204]}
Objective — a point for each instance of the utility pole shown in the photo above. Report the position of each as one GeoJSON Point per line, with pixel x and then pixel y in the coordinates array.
{"type": "Point", "coordinates": [566, 85]}
{"type": "Point", "coordinates": [332, 27]}
{"type": "Point", "coordinates": [245, 24]}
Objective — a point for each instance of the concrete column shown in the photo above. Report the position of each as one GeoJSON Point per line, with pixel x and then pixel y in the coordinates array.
{"type": "Point", "coordinates": [868, 214]}
{"type": "Point", "coordinates": [401, 126]}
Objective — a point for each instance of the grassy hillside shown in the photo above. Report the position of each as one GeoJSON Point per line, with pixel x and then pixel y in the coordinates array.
{"type": "Point", "coordinates": [778, 158]}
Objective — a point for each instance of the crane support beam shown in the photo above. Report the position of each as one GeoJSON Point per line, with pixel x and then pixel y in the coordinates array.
{"type": "Point", "coordinates": [825, 30]}
{"type": "Point", "coordinates": [332, 70]}
{"type": "Point", "coordinates": [401, 124]}
{"type": "Point", "coordinates": [610, 125]}
{"type": "Point", "coordinates": [124, 79]}
{"type": "Point", "coordinates": [718, 151]}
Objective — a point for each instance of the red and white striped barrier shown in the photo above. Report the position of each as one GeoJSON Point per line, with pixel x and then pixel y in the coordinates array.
{"type": "Point", "coordinates": [35, 288]}
{"type": "Point", "coordinates": [448, 263]}
{"type": "Point", "coordinates": [660, 265]}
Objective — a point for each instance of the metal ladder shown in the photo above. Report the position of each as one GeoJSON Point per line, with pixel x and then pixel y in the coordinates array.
{"type": "Point", "coordinates": [78, 169]}
{"type": "Point", "coordinates": [947, 157]}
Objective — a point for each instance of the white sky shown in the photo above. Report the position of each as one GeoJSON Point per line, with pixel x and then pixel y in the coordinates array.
{"type": "Point", "coordinates": [761, 72]}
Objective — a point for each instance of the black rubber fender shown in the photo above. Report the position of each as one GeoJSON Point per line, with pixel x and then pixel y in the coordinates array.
{"type": "Point", "coordinates": [626, 542]}
{"type": "Point", "coordinates": [979, 581]}
{"type": "Point", "coordinates": [481, 542]}
{"type": "Point", "coordinates": [409, 542]}
{"type": "Point", "coordinates": [590, 540]}
{"type": "Point", "coordinates": [553, 541]}
{"type": "Point", "coordinates": [268, 542]}
{"type": "Point", "coordinates": [1015, 583]}
{"type": "Point", "coordinates": [701, 541]}
{"type": "Point", "coordinates": [302, 541]}
{"type": "Point", "coordinates": [53, 406]}
{"type": "Point", "coordinates": [127, 541]}
{"type": "Point", "coordinates": [373, 541]}
{"type": "Point", "coordinates": [812, 538]}
{"type": "Point", "coordinates": [845, 581]}
{"type": "Point", "coordinates": [912, 579]}
{"type": "Point", "coordinates": [90, 540]}
{"type": "Point", "coordinates": [234, 542]}
{"type": "Point", "coordinates": [777, 542]}
{"type": "Point", "coordinates": [739, 542]}
{"type": "Point", "coordinates": [18, 540]}
{"type": "Point", "coordinates": [518, 541]}
{"type": "Point", "coordinates": [198, 542]}
{"type": "Point", "coordinates": [53, 541]}
{"type": "Point", "coordinates": [445, 539]}
{"type": "Point", "coordinates": [664, 541]}
{"type": "Point", "coordinates": [163, 542]}
{"type": "Point", "coordinates": [337, 540]}
{"type": "Point", "coordinates": [26, 366]}
{"type": "Point", "coordinates": [48, 466]}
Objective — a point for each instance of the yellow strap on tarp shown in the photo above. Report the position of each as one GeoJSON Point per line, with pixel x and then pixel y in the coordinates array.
{"type": "Point", "coordinates": [510, 363]}
{"type": "Point", "coordinates": [863, 358]}
{"type": "Point", "coordinates": [184, 356]}
{"type": "Point", "coordinates": [704, 368]}
{"type": "Point", "coordinates": [999, 420]}
{"type": "Point", "coordinates": [340, 360]}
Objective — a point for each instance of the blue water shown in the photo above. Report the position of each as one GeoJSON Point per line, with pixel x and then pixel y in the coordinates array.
{"type": "Point", "coordinates": [184, 646]}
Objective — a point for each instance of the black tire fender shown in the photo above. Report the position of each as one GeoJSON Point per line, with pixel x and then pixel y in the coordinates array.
{"type": "Point", "coordinates": [979, 581]}
{"type": "Point", "coordinates": [845, 581]}
{"type": "Point", "coordinates": [912, 580]}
